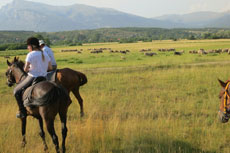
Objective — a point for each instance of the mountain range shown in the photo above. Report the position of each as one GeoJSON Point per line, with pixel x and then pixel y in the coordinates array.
{"type": "Point", "coordinates": [199, 19]}
{"type": "Point", "coordinates": [39, 17]}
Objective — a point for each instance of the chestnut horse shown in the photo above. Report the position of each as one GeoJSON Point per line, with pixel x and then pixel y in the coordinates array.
{"type": "Point", "coordinates": [71, 80]}
{"type": "Point", "coordinates": [55, 100]}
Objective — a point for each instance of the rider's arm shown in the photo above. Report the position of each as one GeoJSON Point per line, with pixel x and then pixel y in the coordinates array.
{"type": "Point", "coordinates": [27, 67]}
{"type": "Point", "coordinates": [50, 68]}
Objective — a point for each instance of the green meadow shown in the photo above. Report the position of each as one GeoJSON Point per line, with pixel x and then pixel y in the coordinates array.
{"type": "Point", "coordinates": [133, 103]}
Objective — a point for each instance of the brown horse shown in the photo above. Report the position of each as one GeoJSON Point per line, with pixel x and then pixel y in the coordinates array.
{"type": "Point", "coordinates": [224, 95]}
{"type": "Point", "coordinates": [56, 101]}
{"type": "Point", "coordinates": [71, 80]}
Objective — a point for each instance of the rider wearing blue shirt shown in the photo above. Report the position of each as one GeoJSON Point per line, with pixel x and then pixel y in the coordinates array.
{"type": "Point", "coordinates": [50, 53]}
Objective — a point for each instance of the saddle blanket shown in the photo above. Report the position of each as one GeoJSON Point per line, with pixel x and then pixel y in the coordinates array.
{"type": "Point", "coordinates": [44, 98]}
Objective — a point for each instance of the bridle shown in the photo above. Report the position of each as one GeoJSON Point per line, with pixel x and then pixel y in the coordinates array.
{"type": "Point", "coordinates": [20, 78]}
{"type": "Point", "coordinates": [11, 76]}
{"type": "Point", "coordinates": [226, 97]}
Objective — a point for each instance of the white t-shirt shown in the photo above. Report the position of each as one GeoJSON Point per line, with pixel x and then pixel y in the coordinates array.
{"type": "Point", "coordinates": [50, 53]}
{"type": "Point", "coordinates": [38, 67]}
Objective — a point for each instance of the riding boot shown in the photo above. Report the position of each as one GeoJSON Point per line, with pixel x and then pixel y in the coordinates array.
{"type": "Point", "coordinates": [22, 110]}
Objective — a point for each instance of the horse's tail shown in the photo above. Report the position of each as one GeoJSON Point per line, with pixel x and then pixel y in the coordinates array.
{"type": "Point", "coordinates": [83, 78]}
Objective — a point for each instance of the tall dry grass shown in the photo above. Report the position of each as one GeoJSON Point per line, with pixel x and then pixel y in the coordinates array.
{"type": "Point", "coordinates": [158, 106]}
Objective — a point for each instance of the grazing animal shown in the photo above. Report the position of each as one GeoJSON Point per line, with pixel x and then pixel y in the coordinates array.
{"type": "Point", "coordinates": [123, 51]}
{"type": "Point", "coordinates": [55, 100]}
{"type": "Point", "coordinates": [71, 80]}
{"type": "Point", "coordinates": [225, 50]}
{"type": "Point", "coordinates": [202, 51]}
{"type": "Point", "coordinates": [150, 54]}
{"type": "Point", "coordinates": [193, 51]}
{"type": "Point", "coordinates": [6, 57]}
{"type": "Point", "coordinates": [224, 95]}
{"type": "Point", "coordinates": [178, 53]}
{"type": "Point", "coordinates": [69, 50]}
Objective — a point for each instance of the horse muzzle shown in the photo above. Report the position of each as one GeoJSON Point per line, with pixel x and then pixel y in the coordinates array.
{"type": "Point", "coordinates": [10, 84]}
{"type": "Point", "coordinates": [223, 117]}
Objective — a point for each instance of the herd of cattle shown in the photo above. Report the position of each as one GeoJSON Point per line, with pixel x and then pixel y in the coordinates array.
{"type": "Point", "coordinates": [202, 51]}
{"type": "Point", "coordinates": [98, 50]}
{"type": "Point", "coordinates": [149, 52]}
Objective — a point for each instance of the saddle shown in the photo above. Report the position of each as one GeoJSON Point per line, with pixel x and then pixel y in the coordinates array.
{"type": "Point", "coordinates": [44, 98]}
{"type": "Point", "coordinates": [27, 93]}
{"type": "Point", "coordinates": [52, 75]}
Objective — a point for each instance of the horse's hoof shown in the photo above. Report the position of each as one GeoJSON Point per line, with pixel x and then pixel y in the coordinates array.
{"type": "Point", "coordinates": [45, 148]}
{"type": "Point", "coordinates": [23, 144]}
{"type": "Point", "coordinates": [82, 114]}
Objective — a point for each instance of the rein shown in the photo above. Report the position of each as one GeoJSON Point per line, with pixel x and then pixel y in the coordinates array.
{"type": "Point", "coordinates": [20, 78]}
{"type": "Point", "coordinates": [226, 97]}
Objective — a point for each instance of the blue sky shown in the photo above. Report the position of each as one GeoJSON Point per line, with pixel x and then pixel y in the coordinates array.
{"type": "Point", "coordinates": [147, 8]}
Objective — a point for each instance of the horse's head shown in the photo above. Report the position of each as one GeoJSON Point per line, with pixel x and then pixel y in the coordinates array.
{"type": "Point", "coordinates": [13, 71]}
{"type": "Point", "coordinates": [224, 95]}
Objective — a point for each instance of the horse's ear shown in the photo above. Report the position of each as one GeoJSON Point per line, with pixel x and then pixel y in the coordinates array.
{"type": "Point", "coordinates": [8, 63]}
{"type": "Point", "coordinates": [15, 59]}
{"type": "Point", "coordinates": [223, 84]}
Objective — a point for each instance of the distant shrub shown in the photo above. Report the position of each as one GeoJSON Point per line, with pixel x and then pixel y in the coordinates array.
{"type": "Point", "coordinates": [75, 44]}
{"type": "Point", "coordinates": [147, 40]}
{"type": "Point", "coordinates": [127, 41]}
{"type": "Point", "coordinates": [16, 46]}
{"type": "Point", "coordinates": [192, 37]}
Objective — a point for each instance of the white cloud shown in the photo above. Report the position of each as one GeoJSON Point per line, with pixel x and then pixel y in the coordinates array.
{"type": "Point", "coordinates": [199, 7]}
{"type": "Point", "coordinates": [226, 7]}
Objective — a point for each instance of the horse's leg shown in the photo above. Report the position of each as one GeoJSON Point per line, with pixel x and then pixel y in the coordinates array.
{"type": "Point", "coordinates": [51, 130]}
{"type": "Point", "coordinates": [62, 115]}
{"type": "Point", "coordinates": [23, 120]}
{"type": "Point", "coordinates": [80, 100]}
{"type": "Point", "coordinates": [42, 133]}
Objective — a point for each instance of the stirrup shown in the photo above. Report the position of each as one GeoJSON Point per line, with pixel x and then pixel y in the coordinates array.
{"type": "Point", "coordinates": [21, 115]}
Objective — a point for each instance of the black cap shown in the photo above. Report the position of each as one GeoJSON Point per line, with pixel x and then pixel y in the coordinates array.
{"type": "Point", "coordinates": [33, 41]}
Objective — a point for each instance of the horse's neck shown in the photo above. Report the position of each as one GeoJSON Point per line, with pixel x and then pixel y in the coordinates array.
{"type": "Point", "coordinates": [19, 75]}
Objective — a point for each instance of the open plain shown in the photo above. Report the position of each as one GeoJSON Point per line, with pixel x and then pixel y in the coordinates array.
{"type": "Point", "coordinates": [134, 103]}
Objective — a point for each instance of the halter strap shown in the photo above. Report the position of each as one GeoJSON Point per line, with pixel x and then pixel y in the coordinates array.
{"type": "Point", "coordinates": [226, 97]}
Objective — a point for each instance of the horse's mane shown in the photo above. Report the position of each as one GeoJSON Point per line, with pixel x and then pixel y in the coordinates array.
{"type": "Point", "coordinates": [20, 64]}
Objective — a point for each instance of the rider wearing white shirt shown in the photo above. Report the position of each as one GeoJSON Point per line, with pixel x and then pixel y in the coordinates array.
{"type": "Point", "coordinates": [37, 64]}
{"type": "Point", "coordinates": [50, 53]}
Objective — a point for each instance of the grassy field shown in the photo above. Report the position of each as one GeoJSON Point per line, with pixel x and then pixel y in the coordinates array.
{"type": "Point", "coordinates": [133, 103]}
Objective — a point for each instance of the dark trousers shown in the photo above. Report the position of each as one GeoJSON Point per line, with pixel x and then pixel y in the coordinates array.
{"type": "Point", "coordinates": [18, 91]}
{"type": "Point", "coordinates": [54, 67]}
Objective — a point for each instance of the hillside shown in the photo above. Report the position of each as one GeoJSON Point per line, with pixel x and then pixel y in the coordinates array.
{"type": "Point", "coordinates": [199, 19]}
{"type": "Point", "coordinates": [31, 16]}
{"type": "Point", "coordinates": [114, 35]}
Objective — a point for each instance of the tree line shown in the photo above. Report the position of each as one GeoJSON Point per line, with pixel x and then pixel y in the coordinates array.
{"type": "Point", "coordinates": [13, 40]}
